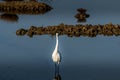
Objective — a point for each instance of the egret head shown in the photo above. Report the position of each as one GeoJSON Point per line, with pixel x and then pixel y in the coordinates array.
{"type": "Point", "coordinates": [56, 34]}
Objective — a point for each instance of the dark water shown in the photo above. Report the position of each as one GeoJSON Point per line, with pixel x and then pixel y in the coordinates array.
{"type": "Point", "coordinates": [83, 58]}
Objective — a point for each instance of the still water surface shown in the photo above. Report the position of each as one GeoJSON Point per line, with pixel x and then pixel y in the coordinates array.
{"type": "Point", "coordinates": [83, 58]}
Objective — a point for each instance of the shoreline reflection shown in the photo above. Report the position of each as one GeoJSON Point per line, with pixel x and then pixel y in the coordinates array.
{"type": "Point", "coordinates": [9, 17]}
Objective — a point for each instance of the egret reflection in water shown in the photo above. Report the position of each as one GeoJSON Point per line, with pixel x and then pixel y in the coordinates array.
{"type": "Point", "coordinates": [57, 77]}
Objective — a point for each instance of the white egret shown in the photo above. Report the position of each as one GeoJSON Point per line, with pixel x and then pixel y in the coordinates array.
{"type": "Point", "coordinates": [56, 55]}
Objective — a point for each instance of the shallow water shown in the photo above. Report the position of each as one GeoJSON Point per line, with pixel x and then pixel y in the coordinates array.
{"type": "Point", "coordinates": [83, 58]}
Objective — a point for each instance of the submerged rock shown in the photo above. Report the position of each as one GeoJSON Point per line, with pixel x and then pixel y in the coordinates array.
{"type": "Point", "coordinates": [81, 16]}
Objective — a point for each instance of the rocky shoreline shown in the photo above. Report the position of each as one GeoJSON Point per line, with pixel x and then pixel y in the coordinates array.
{"type": "Point", "coordinates": [72, 30]}
{"type": "Point", "coordinates": [24, 7]}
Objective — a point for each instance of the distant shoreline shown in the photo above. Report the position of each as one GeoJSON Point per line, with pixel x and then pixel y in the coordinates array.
{"type": "Point", "coordinates": [72, 30]}
{"type": "Point", "coordinates": [24, 7]}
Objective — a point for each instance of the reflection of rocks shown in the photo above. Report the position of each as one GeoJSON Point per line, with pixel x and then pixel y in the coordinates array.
{"type": "Point", "coordinates": [81, 16]}
{"type": "Point", "coordinates": [73, 30]}
{"type": "Point", "coordinates": [9, 17]}
{"type": "Point", "coordinates": [22, 7]}
{"type": "Point", "coordinates": [81, 20]}
{"type": "Point", "coordinates": [81, 10]}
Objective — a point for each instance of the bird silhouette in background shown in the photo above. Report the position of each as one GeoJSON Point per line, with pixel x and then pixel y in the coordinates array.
{"type": "Point", "coordinates": [56, 56]}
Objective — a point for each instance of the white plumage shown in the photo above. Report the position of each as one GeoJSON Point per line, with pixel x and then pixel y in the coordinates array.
{"type": "Point", "coordinates": [56, 55]}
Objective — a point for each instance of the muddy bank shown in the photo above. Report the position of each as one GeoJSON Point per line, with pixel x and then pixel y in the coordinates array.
{"type": "Point", "coordinates": [24, 7]}
{"type": "Point", "coordinates": [73, 30]}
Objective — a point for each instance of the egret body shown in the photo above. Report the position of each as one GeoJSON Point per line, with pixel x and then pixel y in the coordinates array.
{"type": "Point", "coordinates": [56, 55]}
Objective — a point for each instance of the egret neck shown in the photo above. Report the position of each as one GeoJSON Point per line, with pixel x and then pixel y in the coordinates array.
{"type": "Point", "coordinates": [56, 47]}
